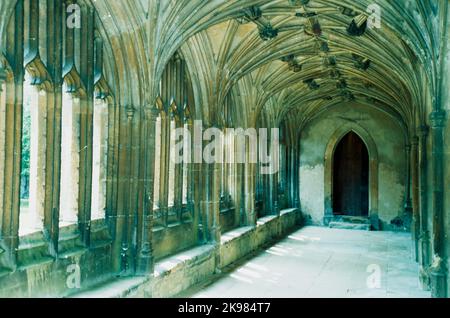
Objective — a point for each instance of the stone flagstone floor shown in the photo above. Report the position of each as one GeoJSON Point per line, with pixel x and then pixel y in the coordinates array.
{"type": "Point", "coordinates": [325, 263]}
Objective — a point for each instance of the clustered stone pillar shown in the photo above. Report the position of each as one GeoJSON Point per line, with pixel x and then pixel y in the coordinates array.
{"type": "Point", "coordinates": [408, 202]}
{"type": "Point", "coordinates": [415, 226]}
{"type": "Point", "coordinates": [164, 167]}
{"type": "Point", "coordinates": [12, 143]}
{"type": "Point", "coordinates": [178, 187]}
{"type": "Point", "coordinates": [2, 155]}
{"type": "Point", "coordinates": [438, 270]}
{"type": "Point", "coordinates": [250, 217]}
{"type": "Point", "coordinates": [145, 262]}
{"type": "Point", "coordinates": [424, 237]}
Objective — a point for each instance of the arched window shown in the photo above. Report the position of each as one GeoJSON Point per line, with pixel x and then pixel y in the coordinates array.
{"type": "Point", "coordinates": [99, 164]}
{"type": "Point", "coordinates": [171, 179]}
{"type": "Point", "coordinates": [54, 128]}
{"type": "Point", "coordinates": [32, 177]}
{"type": "Point", "coordinates": [70, 160]}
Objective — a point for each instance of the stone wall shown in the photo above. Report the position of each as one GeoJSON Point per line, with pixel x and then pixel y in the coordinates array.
{"type": "Point", "coordinates": [390, 145]}
{"type": "Point", "coordinates": [49, 277]}
{"type": "Point", "coordinates": [179, 272]}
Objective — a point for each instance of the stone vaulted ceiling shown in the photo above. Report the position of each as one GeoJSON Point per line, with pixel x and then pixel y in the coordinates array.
{"type": "Point", "coordinates": [288, 58]}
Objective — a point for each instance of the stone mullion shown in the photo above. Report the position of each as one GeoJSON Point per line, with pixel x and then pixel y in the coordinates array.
{"type": "Point", "coordinates": [85, 167]}
{"type": "Point", "coordinates": [144, 264]}
{"type": "Point", "coordinates": [293, 165]}
{"type": "Point", "coordinates": [164, 167]}
{"type": "Point", "coordinates": [425, 247]}
{"type": "Point", "coordinates": [415, 229]}
{"type": "Point", "coordinates": [439, 267]}
{"type": "Point", "coordinates": [86, 126]}
{"type": "Point", "coordinates": [214, 209]}
{"type": "Point", "coordinates": [275, 204]}
{"type": "Point", "coordinates": [197, 187]}
{"type": "Point", "coordinates": [236, 179]}
{"type": "Point", "coordinates": [13, 140]}
{"type": "Point", "coordinates": [54, 109]}
{"type": "Point", "coordinates": [250, 216]}
{"type": "Point", "coordinates": [192, 179]}
{"type": "Point", "coordinates": [239, 182]}
{"type": "Point", "coordinates": [267, 199]}
{"type": "Point", "coordinates": [288, 175]}
{"type": "Point", "coordinates": [226, 173]}
{"type": "Point", "coordinates": [296, 177]}
{"type": "Point", "coordinates": [178, 192]}
{"type": "Point", "coordinates": [273, 189]}
{"type": "Point", "coordinates": [112, 166]}
{"type": "Point", "coordinates": [206, 193]}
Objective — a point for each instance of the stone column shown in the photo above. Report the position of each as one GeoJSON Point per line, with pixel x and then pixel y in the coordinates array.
{"type": "Point", "coordinates": [238, 190]}
{"type": "Point", "coordinates": [408, 202]}
{"type": "Point", "coordinates": [250, 216]}
{"type": "Point", "coordinates": [438, 269]}
{"type": "Point", "coordinates": [198, 182]}
{"type": "Point", "coordinates": [296, 177]}
{"type": "Point", "coordinates": [112, 183]}
{"type": "Point", "coordinates": [415, 228]}
{"type": "Point", "coordinates": [164, 167]}
{"type": "Point", "coordinates": [124, 214]}
{"type": "Point", "coordinates": [11, 162]}
{"type": "Point", "coordinates": [424, 237]}
{"type": "Point", "coordinates": [191, 176]}
{"type": "Point", "coordinates": [86, 124]}
{"type": "Point", "coordinates": [178, 191]}
{"type": "Point", "coordinates": [144, 262]}
{"type": "Point", "coordinates": [214, 210]}
{"type": "Point", "coordinates": [2, 143]}
{"type": "Point", "coordinates": [120, 248]}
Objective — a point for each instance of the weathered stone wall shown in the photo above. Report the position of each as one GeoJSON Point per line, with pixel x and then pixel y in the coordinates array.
{"type": "Point", "coordinates": [173, 239]}
{"type": "Point", "coordinates": [179, 272]}
{"type": "Point", "coordinates": [389, 141]}
{"type": "Point", "coordinates": [242, 241]}
{"type": "Point", "coordinates": [47, 277]}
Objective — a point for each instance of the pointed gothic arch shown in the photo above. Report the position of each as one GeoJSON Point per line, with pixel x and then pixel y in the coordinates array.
{"type": "Point", "coordinates": [373, 170]}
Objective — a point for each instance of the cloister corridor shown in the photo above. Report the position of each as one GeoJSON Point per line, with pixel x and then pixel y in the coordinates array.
{"type": "Point", "coordinates": [320, 262]}
{"type": "Point", "coordinates": [157, 149]}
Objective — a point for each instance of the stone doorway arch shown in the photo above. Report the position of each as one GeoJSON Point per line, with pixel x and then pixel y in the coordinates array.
{"type": "Point", "coordinates": [373, 171]}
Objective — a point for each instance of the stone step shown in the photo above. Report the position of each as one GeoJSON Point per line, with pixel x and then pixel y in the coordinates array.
{"type": "Point", "coordinates": [349, 226]}
{"type": "Point", "coordinates": [352, 219]}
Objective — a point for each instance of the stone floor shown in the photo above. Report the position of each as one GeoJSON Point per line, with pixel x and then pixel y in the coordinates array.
{"type": "Point", "coordinates": [326, 263]}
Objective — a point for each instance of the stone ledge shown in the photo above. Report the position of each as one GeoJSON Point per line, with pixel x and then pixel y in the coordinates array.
{"type": "Point", "coordinates": [235, 234]}
{"type": "Point", "coordinates": [117, 288]}
{"type": "Point", "coordinates": [176, 262]}
{"type": "Point", "coordinates": [177, 273]}
{"type": "Point", "coordinates": [242, 241]}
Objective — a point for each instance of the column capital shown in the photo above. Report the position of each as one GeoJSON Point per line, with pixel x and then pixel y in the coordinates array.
{"type": "Point", "coordinates": [130, 111]}
{"type": "Point", "coordinates": [437, 119]}
{"type": "Point", "coordinates": [423, 130]}
{"type": "Point", "coordinates": [2, 77]}
{"type": "Point", "coordinates": [151, 112]}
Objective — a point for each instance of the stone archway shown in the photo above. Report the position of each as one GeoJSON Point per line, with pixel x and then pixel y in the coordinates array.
{"type": "Point", "coordinates": [373, 171]}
